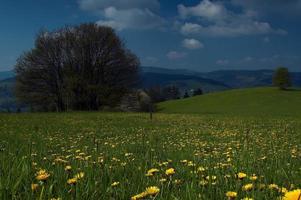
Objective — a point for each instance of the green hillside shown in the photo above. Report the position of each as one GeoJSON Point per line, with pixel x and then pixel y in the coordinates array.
{"type": "Point", "coordinates": [255, 101]}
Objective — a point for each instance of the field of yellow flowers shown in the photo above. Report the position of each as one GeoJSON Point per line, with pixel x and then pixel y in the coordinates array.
{"type": "Point", "coordinates": [127, 156]}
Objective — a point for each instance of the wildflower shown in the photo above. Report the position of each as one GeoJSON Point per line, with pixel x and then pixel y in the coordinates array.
{"type": "Point", "coordinates": [253, 177]}
{"type": "Point", "coordinates": [80, 175]}
{"type": "Point", "coordinates": [212, 178]}
{"type": "Point", "coordinates": [170, 171]}
{"type": "Point", "coordinates": [201, 169]}
{"type": "Point", "coordinates": [42, 175]}
{"type": "Point", "coordinates": [68, 168]}
{"type": "Point", "coordinates": [247, 198]}
{"type": "Point", "coordinates": [153, 190]}
{"type": "Point", "coordinates": [241, 175]}
{"type": "Point", "coordinates": [115, 184]}
{"type": "Point", "coordinates": [72, 181]}
{"type": "Point", "coordinates": [139, 196]}
{"type": "Point", "coordinates": [231, 194]}
{"type": "Point", "coordinates": [151, 172]}
{"type": "Point", "coordinates": [292, 195]}
{"type": "Point", "coordinates": [34, 187]}
{"type": "Point", "coordinates": [247, 187]}
{"type": "Point", "coordinates": [273, 187]}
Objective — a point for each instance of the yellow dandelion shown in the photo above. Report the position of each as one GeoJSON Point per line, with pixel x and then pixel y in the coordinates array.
{"type": "Point", "coordinates": [231, 194]}
{"type": "Point", "coordinates": [273, 187]}
{"type": "Point", "coordinates": [247, 187]}
{"type": "Point", "coordinates": [42, 175]}
{"type": "Point", "coordinates": [151, 172]}
{"type": "Point", "coordinates": [253, 177]}
{"type": "Point", "coordinates": [139, 196]}
{"type": "Point", "coordinates": [80, 175]}
{"type": "Point", "coordinates": [241, 175]}
{"type": "Point", "coordinates": [72, 181]}
{"type": "Point", "coordinates": [153, 190]}
{"type": "Point", "coordinates": [170, 171]}
{"type": "Point", "coordinates": [115, 184]}
{"type": "Point", "coordinates": [68, 168]}
{"type": "Point", "coordinates": [292, 195]}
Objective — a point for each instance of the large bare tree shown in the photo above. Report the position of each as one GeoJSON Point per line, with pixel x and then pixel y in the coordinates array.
{"type": "Point", "coordinates": [76, 67]}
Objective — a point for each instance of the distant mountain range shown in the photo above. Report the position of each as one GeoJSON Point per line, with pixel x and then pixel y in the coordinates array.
{"type": "Point", "coordinates": [186, 80]}
{"type": "Point", "coordinates": [229, 78]}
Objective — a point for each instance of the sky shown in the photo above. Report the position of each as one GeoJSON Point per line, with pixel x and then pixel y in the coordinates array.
{"type": "Point", "coordinates": [201, 35]}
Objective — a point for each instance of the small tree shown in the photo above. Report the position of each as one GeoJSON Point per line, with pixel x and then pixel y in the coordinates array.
{"type": "Point", "coordinates": [282, 78]}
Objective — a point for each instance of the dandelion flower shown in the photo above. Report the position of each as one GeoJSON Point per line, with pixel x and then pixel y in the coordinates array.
{"type": "Point", "coordinates": [68, 168]}
{"type": "Point", "coordinates": [115, 184]}
{"type": "Point", "coordinates": [273, 187]}
{"type": "Point", "coordinates": [42, 175]}
{"type": "Point", "coordinates": [231, 195]}
{"type": "Point", "coordinates": [72, 181]}
{"type": "Point", "coordinates": [139, 196]}
{"type": "Point", "coordinates": [153, 190]}
{"type": "Point", "coordinates": [151, 172]}
{"type": "Point", "coordinates": [247, 187]}
{"type": "Point", "coordinates": [292, 195]}
{"type": "Point", "coordinates": [80, 175]}
{"type": "Point", "coordinates": [170, 171]}
{"type": "Point", "coordinates": [241, 175]}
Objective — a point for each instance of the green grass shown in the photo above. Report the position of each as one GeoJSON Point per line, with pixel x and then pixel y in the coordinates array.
{"type": "Point", "coordinates": [255, 102]}
{"type": "Point", "coordinates": [207, 151]}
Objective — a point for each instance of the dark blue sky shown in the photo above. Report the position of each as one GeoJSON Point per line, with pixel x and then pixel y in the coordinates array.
{"type": "Point", "coordinates": [200, 35]}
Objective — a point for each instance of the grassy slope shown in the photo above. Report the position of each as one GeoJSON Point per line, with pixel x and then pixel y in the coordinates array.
{"type": "Point", "coordinates": [255, 101]}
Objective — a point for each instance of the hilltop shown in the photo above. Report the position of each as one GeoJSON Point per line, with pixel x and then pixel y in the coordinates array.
{"type": "Point", "coordinates": [254, 101]}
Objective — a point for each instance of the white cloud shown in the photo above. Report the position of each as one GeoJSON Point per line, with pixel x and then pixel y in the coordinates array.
{"type": "Point", "coordinates": [192, 44]}
{"type": "Point", "coordinates": [205, 8]}
{"type": "Point", "coordinates": [96, 5]}
{"type": "Point", "coordinates": [214, 19]}
{"type": "Point", "coordinates": [125, 14]}
{"type": "Point", "coordinates": [131, 19]}
{"type": "Point", "coordinates": [190, 28]}
{"type": "Point", "coordinates": [174, 55]}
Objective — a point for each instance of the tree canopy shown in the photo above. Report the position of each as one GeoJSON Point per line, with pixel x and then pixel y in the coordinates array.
{"type": "Point", "coordinates": [282, 78]}
{"type": "Point", "coordinates": [80, 67]}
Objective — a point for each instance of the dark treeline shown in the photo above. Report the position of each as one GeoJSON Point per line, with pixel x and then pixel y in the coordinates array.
{"type": "Point", "coordinates": [81, 67]}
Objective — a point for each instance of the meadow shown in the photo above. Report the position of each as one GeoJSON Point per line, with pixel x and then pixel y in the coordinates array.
{"type": "Point", "coordinates": [95, 155]}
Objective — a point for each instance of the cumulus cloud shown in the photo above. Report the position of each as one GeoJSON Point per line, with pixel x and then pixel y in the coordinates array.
{"type": "Point", "coordinates": [175, 55]}
{"type": "Point", "coordinates": [190, 28]}
{"type": "Point", "coordinates": [214, 19]}
{"type": "Point", "coordinates": [192, 44]}
{"type": "Point", "coordinates": [131, 19]}
{"type": "Point", "coordinates": [205, 8]}
{"type": "Point", "coordinates": [125, 14]}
